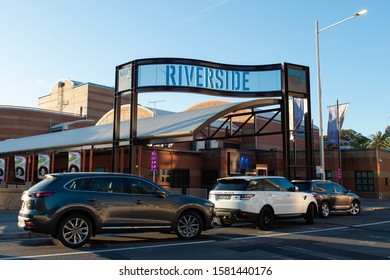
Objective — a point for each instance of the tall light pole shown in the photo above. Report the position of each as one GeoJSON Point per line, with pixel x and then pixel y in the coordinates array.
{"type": "Point", "coordinates": [321, 137]}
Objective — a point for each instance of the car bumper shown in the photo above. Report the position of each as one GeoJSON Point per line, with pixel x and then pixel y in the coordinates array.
{"type": "Point", "coordinates": [235, 214]}
{"type": "Point", "coordinates": [32, 223]}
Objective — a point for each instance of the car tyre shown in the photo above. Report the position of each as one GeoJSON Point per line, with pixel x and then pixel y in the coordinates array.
{"type": "Point", "coordinates": [74, 230]}
{"type": "Point", "coordinates": [354, 208]}
{"type": "Point", "coordinates": [189, 225]}
{"type": "Point", "coordinates": [265, 219]}
{"type": "Point", "coordinates": [309, 217]}
{"type": "Point", "coordinates": [324, 209]}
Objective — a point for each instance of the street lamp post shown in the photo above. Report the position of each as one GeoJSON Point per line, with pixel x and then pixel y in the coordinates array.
{"type": "Point", "coordinates": [321, 137]}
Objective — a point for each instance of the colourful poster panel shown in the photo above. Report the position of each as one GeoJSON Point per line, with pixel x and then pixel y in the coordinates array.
{"type": "Point", "coordinates": [2, 169]}
{"type": "Point", "coordinates": [74, 163]}
{"type": "Point", "coordinates": [43, 165]}
{"type": "Point", "coordinates": [20, 168]}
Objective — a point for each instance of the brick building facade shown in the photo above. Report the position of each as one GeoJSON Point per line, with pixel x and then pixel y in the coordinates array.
{"type": "Point", "coordinates": [190, 167]}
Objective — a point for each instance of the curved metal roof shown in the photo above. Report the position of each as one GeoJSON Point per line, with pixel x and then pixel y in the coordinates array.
{"type": "Point", "coordinates": [176, 126]}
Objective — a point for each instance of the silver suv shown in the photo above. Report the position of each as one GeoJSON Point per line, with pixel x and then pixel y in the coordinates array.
{"type": "Point", "coordinates": [72, 207]}
{"type": "Point", "coordinates": [260, 199]}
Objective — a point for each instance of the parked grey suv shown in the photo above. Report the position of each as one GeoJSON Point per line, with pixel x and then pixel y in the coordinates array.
{"type": "Point", "coordinates": [331, 197]}
{"type": "Point", "coordinates": [72, 207]}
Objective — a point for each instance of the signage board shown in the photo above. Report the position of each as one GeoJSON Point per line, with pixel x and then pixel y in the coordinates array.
{"type": "Point", "coordinates": [153, 160]}
{"type": "Point", "coordinates": [208, 78]}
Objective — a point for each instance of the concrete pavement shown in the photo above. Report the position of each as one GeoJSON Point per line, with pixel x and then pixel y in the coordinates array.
{"type": "Point", "coordinates": [9, 218]}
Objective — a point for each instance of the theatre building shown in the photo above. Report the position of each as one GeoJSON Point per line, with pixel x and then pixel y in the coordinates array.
{"type": "Point", "coordinates": [184, 152]}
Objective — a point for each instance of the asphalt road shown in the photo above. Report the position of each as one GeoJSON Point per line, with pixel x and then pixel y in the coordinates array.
{"type": "Point", "coordinates": [339, 237]}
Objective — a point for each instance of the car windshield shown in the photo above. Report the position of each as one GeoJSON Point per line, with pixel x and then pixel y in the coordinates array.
{"type": "Point", "coordinates": [303, 186]}
{"type": "Point", "coordinates": [231, 185]}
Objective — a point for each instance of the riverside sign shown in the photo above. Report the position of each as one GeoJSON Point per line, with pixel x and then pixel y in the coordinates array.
{"type": "Point", "coordinates": [280, 82]}
{"type": "Point", "coordinates": [196, 76]}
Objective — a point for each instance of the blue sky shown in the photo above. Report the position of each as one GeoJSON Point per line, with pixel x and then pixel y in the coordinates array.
{"type": "Point", "coordinates": [43, 42]}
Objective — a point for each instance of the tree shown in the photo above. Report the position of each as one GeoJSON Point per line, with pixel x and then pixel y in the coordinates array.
{"type": "Point", "coordinates": [356, 139]}
{"type": "Point", "coordinates": [380, 140]}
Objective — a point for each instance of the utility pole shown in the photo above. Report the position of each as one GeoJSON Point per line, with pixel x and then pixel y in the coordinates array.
{"type": "Point", "coordinates": [154, 106]}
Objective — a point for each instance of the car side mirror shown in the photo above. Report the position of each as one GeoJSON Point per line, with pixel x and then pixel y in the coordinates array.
{"type": "Point", "coordinates": [161, 194]}
{"type": "Point", "coordinates": [293, 189]}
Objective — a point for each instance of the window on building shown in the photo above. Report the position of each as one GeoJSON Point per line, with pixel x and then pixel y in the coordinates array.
{"type": "Point", "coordinates": [328, 175]}
{"type": "Point", "coordinates": [164, 175]}
{"type": "Point", "coordinates": [180, 178]}
{"type": "Point", "coordinates": [364, 181]}
{"type": "Point", "coordinates": [209, 178]}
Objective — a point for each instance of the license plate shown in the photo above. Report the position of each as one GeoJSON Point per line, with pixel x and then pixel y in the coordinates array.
{"type": "Point", "coordinates": [224, 196]}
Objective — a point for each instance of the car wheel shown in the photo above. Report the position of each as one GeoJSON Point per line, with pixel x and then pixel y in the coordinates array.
{"type": "Point", "coordinates": [324, 210]}
{"type": "Point", "coordinates": [74, 231]}
{"type": "Point", "coordinates": [265, 218]}
{"type": "Point", "coordinates": [189, 225]}
{"type": "Point", "coordinates": [309, 217]}
{"type": "Point", "coordinates": [354, 209]}
{"type": "Point", "coordinates": [226, 222]}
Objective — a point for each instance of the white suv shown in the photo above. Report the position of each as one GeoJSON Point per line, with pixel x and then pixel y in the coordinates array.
{"type": "Point", "coordinates": [260, 199]}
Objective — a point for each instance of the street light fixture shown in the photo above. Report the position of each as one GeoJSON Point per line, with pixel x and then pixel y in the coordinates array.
{"type": "Point", "coordinates": [321, 137]}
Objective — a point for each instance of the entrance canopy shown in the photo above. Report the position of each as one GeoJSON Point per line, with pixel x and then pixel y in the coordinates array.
{"type": "Point", "coordinates": [175, 127]}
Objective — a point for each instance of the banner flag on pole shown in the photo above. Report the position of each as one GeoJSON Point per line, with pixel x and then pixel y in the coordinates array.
{"type": "Point", "coordinates": [333, 124]}
{"type": "Point", "coordinates": [297, 111]}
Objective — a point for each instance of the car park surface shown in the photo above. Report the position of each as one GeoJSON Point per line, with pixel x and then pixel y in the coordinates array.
{"type": "Point", "coordinates": [72, 207]}
{"type": "Point", "coordinates": [260, 200]}
{"type": "Point", "coordinates": [340, 237]}
{"type": "Point", "coordinates": [330, 196]}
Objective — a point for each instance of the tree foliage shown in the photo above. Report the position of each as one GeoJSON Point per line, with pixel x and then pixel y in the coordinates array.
{"type": "Point", "coordinates": [357, 140]}
{"type": "Point", "coordinates": [380, 140]}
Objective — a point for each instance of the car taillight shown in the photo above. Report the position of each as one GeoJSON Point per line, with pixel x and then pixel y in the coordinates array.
{"type": "Point", "coordinates": [40, 194]}
{"type": "Point", "coordinates": [30, 224]}
{"type": "Point", "coordinates": [246, 196]}
{"type": "Point", "coordinates": [314, 194]}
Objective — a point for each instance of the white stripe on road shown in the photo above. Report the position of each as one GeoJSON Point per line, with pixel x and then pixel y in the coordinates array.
{"type": "Point", "coordinates": [189, 243]}
{"type": "Point", "coordinates": [372, 224]}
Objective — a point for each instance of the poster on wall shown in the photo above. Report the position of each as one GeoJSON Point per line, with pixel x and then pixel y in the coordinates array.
{"type": "Point", "coordinates": [74, 162]}
{"type": "Point", "coordinates": [43, 165]}
{"type": "Point", "coordinates": [20, 168]}
{"type": "Point", "coordinates": [2, 169]}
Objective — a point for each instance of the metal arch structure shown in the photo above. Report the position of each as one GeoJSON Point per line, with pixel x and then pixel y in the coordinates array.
{"type": "Point", "coordinates": [268, 85]}
{"type": "Point", "coordinates": [203, 120]}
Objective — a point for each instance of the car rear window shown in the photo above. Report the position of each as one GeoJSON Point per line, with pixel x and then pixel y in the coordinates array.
{"type": "Point", "coordinates": [231, 185]}
{"type": "Point", "coordinates": [44, 184]}
{"type": "Point", "coordinates": [303, 186]}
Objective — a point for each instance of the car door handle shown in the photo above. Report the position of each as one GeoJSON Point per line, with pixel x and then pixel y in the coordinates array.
{"type": "Point", "coordinates": [91, 198]}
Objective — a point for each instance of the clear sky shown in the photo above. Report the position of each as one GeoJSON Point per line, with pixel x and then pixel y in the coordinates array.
{"type": "Point", "coordinates": [45, 41]}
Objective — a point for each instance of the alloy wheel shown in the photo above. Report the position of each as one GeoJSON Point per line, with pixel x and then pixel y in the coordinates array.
{"type": "Point", "coordinates": [189, 226]}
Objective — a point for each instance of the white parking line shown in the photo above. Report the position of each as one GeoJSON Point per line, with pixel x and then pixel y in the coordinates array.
{"type": "Point", "coordinates": [189, 243]}
{"type": "Point", "coordinates": [288, 233]}
{"type": "Point", "coordinates": [372, 224]}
